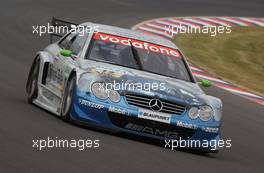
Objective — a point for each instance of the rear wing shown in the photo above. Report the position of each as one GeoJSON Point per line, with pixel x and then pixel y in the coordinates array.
{"type": "Point", "coordinates": [60, 28]}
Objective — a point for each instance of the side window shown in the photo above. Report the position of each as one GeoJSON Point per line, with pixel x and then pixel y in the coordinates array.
{"type": "Point", "coordinates": [74, 42]}
{"type": "Point", "coordinates": [67, 41]}
{"type": "Point", "coordinates": [78, 43]}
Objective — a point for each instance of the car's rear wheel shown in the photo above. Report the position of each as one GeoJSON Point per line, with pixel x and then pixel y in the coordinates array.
{"type": "Point", "coordinates": [67, 98]}
{"type": "Point", "coordinates": [32, 82]}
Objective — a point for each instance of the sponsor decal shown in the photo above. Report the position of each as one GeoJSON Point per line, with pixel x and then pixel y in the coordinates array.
{"type": "Point", "coordinates": [118, 110]}
{"type": "Point", "coordinates": [210, 129]}
{"type": "Point", "coordinates": [55, 75]}
{"type": "Point", "coordinates": [186, 125]}
{"type": "Point", "coordinates": [152, 131]}
{"type": "Point", "coordinates": [108, 72]}
{"type": "Point", "coordinates": [90, 104]}
{"type": "Point", "coordinates": [137, 44]}
{"type": "Point", "coordinates": [155, 116]}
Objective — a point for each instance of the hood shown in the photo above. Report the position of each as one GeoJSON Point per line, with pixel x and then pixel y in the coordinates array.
{"type": "Point", "coordinates": [141, 82]}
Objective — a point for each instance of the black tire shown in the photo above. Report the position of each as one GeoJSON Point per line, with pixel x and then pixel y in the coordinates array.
{"type": "Point", "coordinates": [32, 82]}
{"type": "Point", "coordinates": [67, 98]}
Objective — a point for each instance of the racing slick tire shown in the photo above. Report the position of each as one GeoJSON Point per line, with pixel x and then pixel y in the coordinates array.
{"type": "Point", "coordinates": [32, 82]}
{"type": "Point", "coordinates": [67, 98]}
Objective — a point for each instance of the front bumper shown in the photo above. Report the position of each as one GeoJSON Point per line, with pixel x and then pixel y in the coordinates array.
{"type": "Point", "coordinates": [122, 117]}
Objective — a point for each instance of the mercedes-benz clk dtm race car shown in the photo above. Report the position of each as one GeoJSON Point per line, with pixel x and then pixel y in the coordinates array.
{"type": "Point", "coordinates": [125, 81]}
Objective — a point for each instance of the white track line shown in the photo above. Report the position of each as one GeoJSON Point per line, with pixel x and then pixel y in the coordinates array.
{"type": "Point", "coordinates": [168, 24]}
{"type": "Point", "coordinates": [155, 31]}
{"type": "Point", "coordinates": [196, 69]}
{"type": "Point", "coordinates": [240, 92]}
{"type": "Point", "coordinates": [214, 21]}
{"type": "Point", "coordinates": [164, 29]}
{"type": "Point", "coordinates": [168, 27]}
{"type": "Point", "coordinates": [252, 21]}
{"type": "Point", "coordinates": [209, 78]}
{"type": "Point", "coordinates": [233, 21]}
{"type": "Point", "coordinates": [183, 23]}
{"type": "Point", "coordinates": [156, 26]}
{"type": "Point", "coordinates": [197, 22]}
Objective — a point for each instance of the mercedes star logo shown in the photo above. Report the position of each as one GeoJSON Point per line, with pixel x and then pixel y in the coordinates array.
{"type": "Point", "coordinates": [155, 105]}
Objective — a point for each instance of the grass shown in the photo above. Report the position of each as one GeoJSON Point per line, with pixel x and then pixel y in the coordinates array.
{"type": "Point", "coordinates": [237, 57]}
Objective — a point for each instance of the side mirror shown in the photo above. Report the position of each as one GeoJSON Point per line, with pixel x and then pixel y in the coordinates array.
{"type": "Point", "coordinates": [206, 83]}
{"type": "Point", "coordinates": [66, 53]}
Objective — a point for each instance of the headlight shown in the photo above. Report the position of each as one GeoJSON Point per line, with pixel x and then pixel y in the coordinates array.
{"type": "Point", "coordinates": [206, 113]}
{"type": "Point", "coordinates": [84, 85]}
{"type": "Point", "coordinates": [99, 90]}
{"type": "Point", "coordinates": [114, 96]}
{"type": "Point", "coordinates": [193, 113]}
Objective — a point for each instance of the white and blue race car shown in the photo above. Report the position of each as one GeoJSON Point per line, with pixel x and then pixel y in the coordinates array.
{"type": "Point", "coordinates": [125, 81]}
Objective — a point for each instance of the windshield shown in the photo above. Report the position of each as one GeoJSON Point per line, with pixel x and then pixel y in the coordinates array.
{"type": "Point", "coordinates": [141, 55]}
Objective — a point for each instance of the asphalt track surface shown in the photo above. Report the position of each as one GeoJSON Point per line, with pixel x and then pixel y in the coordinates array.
{"type": "Point", "coordinates": [21, 122]}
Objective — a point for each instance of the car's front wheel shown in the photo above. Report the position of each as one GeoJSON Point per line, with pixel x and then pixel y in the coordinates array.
{"type": "Point", "coordinates": [67, 98]}
{"type": "Point", "coordinates": [32, 82]}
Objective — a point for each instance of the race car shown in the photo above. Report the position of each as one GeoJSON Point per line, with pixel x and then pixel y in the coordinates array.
{"type": "Point", "coordinates": [124, 81]}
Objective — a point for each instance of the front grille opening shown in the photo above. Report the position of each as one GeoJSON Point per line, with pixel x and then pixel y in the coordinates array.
{"type": "Point", "coordinates": [143, 102]}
